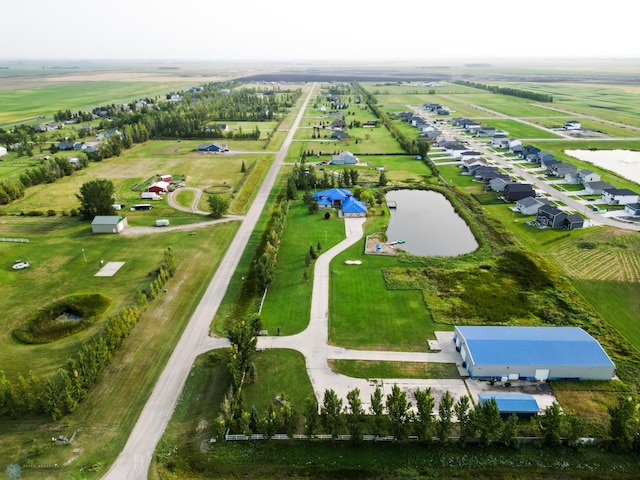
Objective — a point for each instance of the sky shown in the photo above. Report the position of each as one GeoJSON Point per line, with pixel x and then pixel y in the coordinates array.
{"type": "Point", "coordinates": [326, 30]}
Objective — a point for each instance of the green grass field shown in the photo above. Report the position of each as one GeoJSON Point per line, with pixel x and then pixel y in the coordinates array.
{"type": "Point", "coordinates": [20, 105]}
{"type": "Point", "coordinates": [288, 300]}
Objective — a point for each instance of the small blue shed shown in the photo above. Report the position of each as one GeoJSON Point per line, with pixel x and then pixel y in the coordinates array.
{"type": "Point", "coordinates": [519, 404]}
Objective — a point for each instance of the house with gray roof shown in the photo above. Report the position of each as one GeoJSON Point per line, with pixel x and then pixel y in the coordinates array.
{"type": "Point", "coordinates": [560, 169]}
{"type": "Point", "coordinates": [530, 205]}
{"type": "Point", "coordinates": [344, 158]}
{"type": "Point", "coordinates": [515, 191]}
{"type": "Point", "coordinates": [619, 196]}
{"type": "Point", "coordinates": [596, 188]}
{"type": "Point", "coordinates": [549, 216]}
{"type": "Point", "coordinates": [588, 176]}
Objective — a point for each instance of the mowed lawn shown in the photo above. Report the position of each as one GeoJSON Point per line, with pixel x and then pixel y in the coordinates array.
{"type": "Point", "coordinates": [57, 250]}
{"type": "Point", "coordinates": [288, 300]}
{"type": "Point", "coordinates": [365, 314]}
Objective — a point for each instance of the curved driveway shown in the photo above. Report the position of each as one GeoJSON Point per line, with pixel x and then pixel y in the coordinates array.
{"type": "Point", "coordinates": [134, 460]}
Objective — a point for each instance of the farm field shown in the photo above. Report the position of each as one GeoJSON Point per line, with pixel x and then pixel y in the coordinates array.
{"type": "Point", "coordinates": [20, 105]}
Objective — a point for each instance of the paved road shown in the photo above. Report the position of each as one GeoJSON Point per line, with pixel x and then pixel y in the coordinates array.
{"type": "Point", "coordinates": [134, 460]}
{"type": "Point", "coordinates": [539, 184]}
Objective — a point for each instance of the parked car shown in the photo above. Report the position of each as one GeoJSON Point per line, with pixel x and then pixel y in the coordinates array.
{"type": "Point", "coordinates": [19, 265]}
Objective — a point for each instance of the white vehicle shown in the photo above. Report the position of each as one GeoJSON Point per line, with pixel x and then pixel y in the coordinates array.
{"type": "Point", "coordinates": [19, 265]}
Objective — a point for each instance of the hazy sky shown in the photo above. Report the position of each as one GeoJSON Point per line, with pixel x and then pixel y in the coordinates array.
{"type": "Point", "coordinates": [298, 30]}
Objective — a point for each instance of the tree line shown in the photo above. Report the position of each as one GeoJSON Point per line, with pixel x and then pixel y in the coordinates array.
{"type": "Point", "coordinates": [48, 171]}
{"type": "Point", "coordinates": [455, 422]}
{"type": "Point", "coordinates": [60, 394]}
{"type": "Point", "coordinates": [514, 92]}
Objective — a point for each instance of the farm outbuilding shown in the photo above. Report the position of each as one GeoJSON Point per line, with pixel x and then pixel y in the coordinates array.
{"type": "Point", "coordinates": [519, 404]}
{"type": "Point", "coordinates": [532, 353]}
{"type": "Point", "coordinates": [108, 224]}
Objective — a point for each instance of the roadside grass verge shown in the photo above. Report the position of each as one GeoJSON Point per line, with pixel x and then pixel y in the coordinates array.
{"type": "Point", "coordinates": [105, 418]}
{"type": "Point", "coordinates": [249, 185]}
{"type": "Point", "coordinates": [386, 369]}
{"type": "Point", "coordinates": [287, 303]}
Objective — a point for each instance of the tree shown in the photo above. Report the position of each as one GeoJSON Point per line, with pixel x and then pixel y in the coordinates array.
{"type": "Point", "coordinates": [424, 420]}
{"type": "Point", "coordinates": [377, 410]}
{"type": "Point", "coordinates": [311, 416]}
{"type": "Point", "coordinates": [461, 409]}
{"type": "Point", "coordinates": [398, 412]}
{"type": "Point", "coordinates": [382, 179]}
{"type": "Point", "coordinates": [423, 149]}
{"type": "Point", "coordinates": [622, 427]}
{"type": "Point", "coordinates": [96, 198]}
{"type": "Point", "coordinates": [355, 415]}
{"type": "Point", "coordinates": [510, 432]}
{"type": "Point", "coordinates": [218, 206]}
{"type": "Point", "coordinates": [292, 190]}
{"type": "Point", "coordinates": [243, 168]}
{"type": "Point", "coordinates": [445, 420]}
{"type": "Point", "coordinates": [551, 423]}
{"type": "Point", "coordinates": [331, 412]}
{"type": "Point", "coordinates": [487, 420]}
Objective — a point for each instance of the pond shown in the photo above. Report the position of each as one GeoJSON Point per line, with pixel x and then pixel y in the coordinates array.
{"type": "Point", "coordinates": [428, 224]}
{"type": "Point", "coordinates": [625, 163]}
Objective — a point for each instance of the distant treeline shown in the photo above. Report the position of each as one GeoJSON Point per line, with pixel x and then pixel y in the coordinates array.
{"type": "Point", "coordinates": [514, 92]}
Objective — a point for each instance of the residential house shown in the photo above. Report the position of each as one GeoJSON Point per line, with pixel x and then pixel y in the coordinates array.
{"type": "Point", "coordinates": [497, 184]}
{"type": "Point", "coordinates": [572, 178]}
{"type": "Point", "coordinates": [67, 145]}
{"type": "Point", "coordinates": [549, 216]}
{"type": "Point", "coordinates": [530, 153]}
{"type": "Point", "coordinates": [619, 196]}
{"type": "Point", "coordinates": [596, 188]}
{"type": "Point", "coordinates": [486, 132]}
{"type": "Point", "coordinates": [588, 176]}
{"type": "Point", "coordinates": [632, 209]}
{"type": "Point", "coordinates": [352, 207]}
{"type": "Point", "coordinates": [472, 127]}
{"type": "Point", "coordinates": [572, 125]}
{"type": "Point", "coordinates": [340, 135]}
{"type": "Point", "coordinates": [573, 221]}
{"type": "Point", "coordinates": [515, 146]}
{"type": "Point", "coordinates": [500, 141]}
{"type": "Point", "coordinates": [212, 147]}
{"type": "Point", "coordinates": [469, 162]}
{"type": "Point", "coordinates": [469, 154]}
{"type": "Point", "coordinates": [370, 124]}
{"type": "Point", "coordinates": [338, 123]}
{"type": "Point", "coordinates": [515, 191]}
{"type": "Point", "coordinates": [546, 159]}
{"type": "Point", "coordinates": [108, 133]}
{"type": "Point", "coordinates": [560, 169]}
{"type": "Point", "coordinates": [332, 198]}
{"type": "Point", "coordinates": [344, 158]}
{"type": "Point", "coordinates": [530, 205]}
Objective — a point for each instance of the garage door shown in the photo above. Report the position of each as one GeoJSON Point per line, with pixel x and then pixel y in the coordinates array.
{"type": "Point", "coordinates": [463, 352]}
{"type": "Point", "coordinates": [542, 374]}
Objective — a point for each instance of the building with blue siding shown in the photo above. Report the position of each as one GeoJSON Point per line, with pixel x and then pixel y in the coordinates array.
{"type": "Point", "coordinates": [520, 404]}
{"type": "Point", "coordinates": [532, 353]}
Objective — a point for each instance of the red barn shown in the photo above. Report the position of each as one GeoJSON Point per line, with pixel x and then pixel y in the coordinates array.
{"type": "Point", "coordinates": [158, 187]}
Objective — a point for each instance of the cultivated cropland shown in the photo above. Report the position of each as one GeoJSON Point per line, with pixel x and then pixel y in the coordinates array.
{"type": "Point", "coordinates": [201, 277]}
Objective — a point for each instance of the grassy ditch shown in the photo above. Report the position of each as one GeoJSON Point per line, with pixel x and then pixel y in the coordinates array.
{"type": "Point", "coordinates": [62, 318]}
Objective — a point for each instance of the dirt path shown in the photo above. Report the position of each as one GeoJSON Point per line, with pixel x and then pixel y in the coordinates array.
{"type": "Point", "coordinates": [189, 226]}
{"type": "Point", "coordinates": [194, 205]}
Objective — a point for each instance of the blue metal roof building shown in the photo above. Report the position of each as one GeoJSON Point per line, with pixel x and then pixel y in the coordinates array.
{"type": "Point", "coordinates": [520, 404]}
{"type": "Point", "coordinates": [532, 353]}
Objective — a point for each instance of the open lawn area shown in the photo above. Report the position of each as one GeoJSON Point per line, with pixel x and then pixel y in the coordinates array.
{"type": "Point", "coordinates": [104, 419]}
{"type": "Point", "coordinates": [288, 300]}
{"type": "Point", "coordinates": [519, 130]}
{"type": "Point", "coordinates": [365, 314]}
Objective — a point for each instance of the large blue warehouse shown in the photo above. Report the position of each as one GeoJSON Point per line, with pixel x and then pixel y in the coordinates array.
{"type": "Point", "coordinates": [532, 353]}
